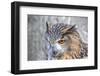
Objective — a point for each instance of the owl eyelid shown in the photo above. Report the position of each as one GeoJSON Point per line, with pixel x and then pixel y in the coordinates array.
{"type": "Point", "coordinates": [61, 41]}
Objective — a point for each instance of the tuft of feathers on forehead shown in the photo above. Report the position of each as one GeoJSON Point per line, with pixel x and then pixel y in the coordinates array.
{"type": "Point", "coordinates": [61, 27]}
{"type": "Point", "coordinates": [71, 28]}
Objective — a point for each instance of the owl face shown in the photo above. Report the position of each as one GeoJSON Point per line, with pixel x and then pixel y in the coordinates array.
{"type": "Point", "coordinates": [60, 45]}
{"type": "Point", "coordinates": [59, 38]}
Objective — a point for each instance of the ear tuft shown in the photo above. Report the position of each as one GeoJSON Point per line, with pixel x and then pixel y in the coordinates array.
{"type": "Point", "coordinates": [69, 29]}
{"type": "Point", "coordinates": [73, 28]}
{"type": "Point", "coordinates": [47, 27]}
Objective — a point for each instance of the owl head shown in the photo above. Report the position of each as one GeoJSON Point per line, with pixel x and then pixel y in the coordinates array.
{"type": "Point", "coordinates": [61, 38]}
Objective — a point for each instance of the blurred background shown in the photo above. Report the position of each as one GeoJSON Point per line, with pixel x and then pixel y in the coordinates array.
{"type": "Point", "coordinates": [37, 29]}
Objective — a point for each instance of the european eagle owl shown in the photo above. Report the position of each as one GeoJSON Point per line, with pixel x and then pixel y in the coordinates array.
{"type": "Point", "coordinates": [64, 42]}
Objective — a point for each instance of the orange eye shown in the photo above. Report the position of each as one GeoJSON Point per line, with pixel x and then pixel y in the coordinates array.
{"type": "Point", "coordinates": [61, 41]}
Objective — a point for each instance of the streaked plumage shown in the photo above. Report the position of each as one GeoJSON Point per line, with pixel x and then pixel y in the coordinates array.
{"type": "Point", "coordinates": [64, 42]}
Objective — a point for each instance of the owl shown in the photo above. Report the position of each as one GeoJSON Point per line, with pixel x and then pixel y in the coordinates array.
{"type": "Point", "coordinates": [64, 42]}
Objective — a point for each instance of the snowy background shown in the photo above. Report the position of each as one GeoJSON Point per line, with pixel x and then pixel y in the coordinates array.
{"type": "Point", "coordinates": [37, 28]}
